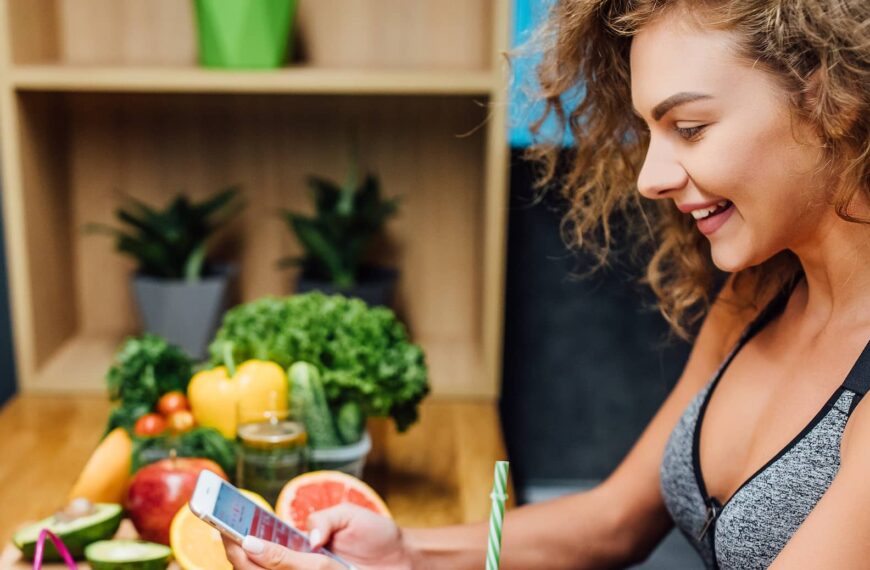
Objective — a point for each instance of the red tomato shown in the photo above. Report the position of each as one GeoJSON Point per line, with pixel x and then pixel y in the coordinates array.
{"type": "Point", "coordinates": [150, 424]}
{"type": "Point", "coordinates": [172, 402]}
{"type": "Point", "coordinates": [181, 421]}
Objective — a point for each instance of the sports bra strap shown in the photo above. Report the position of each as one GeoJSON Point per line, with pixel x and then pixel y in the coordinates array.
{"type": "Point", "coordinates": [858, 379]}
{"type": "Point", "coordinates": [773, 309]}
{"type": "Point", "coordinates": [768, 313]}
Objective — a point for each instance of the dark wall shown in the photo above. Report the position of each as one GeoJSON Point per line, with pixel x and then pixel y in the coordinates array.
{"type": "Point", "coordinates": [7, 364]}
{"type": "Point", "coordinates": [585, 364]}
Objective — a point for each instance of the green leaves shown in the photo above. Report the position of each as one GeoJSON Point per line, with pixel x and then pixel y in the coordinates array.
{"type": "Point", "coordinates": [145, 368]}
{"type": "Point", "coordinates": [171, 243]}
{"type": "Point", "coordinates": [363, 354]}
{"type": "Point", "coordinates": [194, 263]}
{"type": "Point", "coordinates": [347, 219]}
{"type": "Point", "coordinates": [199, 442]}
{"type": "Point", "coordinates": [318, 242]}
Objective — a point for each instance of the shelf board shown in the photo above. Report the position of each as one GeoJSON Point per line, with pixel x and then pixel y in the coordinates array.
{"type": "Point", "coordinates": [79, 366]}
{"type": "Point", "coordinates": [302, 80]}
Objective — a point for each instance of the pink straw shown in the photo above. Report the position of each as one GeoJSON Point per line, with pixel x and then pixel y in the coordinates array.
{"type": "Point", "coordinates": [58, 544]}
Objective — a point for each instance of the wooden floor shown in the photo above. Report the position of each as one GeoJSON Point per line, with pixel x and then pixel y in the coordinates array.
{"type": "Point", "coordinates": [440, 472]}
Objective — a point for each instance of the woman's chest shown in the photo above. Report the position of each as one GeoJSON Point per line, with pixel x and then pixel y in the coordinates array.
{"type": "Point", "coordinates": [761, 403]}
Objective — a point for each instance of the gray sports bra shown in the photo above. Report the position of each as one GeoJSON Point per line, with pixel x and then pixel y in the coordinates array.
{"type": "Point", "coordinates": [754, 525]}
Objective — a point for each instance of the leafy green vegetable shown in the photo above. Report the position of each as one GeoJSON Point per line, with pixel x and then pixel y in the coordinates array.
{"type": "Point", "coordinates": [363, 354]}
{"type": "Point", "coordinates": [145, 368]}
{"type": "Point", "coordinates": [199, 442]}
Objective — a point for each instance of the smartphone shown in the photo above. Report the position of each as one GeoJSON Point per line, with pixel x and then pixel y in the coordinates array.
{"type": "Point", "coordinates": [222, 506]}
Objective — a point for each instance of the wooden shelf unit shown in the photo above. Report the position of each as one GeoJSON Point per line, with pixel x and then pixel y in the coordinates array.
{"type": "Point", "coordinates": [102, 98]}
{"type": "Point", "coordinates": [298, 80]}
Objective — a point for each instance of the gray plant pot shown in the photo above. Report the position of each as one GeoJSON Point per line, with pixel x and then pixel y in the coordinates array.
{"type": "Point", "coordinates": [376, 286]}
{"type": "Point", "coordinates": [184, 313]}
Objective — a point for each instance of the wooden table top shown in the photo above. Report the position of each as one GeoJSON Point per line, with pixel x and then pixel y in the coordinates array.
{"type": "Point", "coordinates": [438, 473]}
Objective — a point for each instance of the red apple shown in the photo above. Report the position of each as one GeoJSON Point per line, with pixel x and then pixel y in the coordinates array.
{"type": "Point", "coordinates": [159, 490]}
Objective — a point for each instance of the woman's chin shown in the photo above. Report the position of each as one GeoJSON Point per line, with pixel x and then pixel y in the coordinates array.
{"type": "Point", "coordinates": [729, 259]}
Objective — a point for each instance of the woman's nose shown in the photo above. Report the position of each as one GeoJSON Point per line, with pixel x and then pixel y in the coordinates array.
{"type": "Point", "coordinates": [661, 173]}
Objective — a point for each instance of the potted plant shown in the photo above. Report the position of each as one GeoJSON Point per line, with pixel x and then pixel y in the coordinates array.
{"type": "Point", "coordinates": [180, 293]}
{"type": "Point", "coordinates": [347, 362]}
{"type": "Point", "coordinates": [337, 238]}
{"type": "Point", "coordinates": [244, 34]}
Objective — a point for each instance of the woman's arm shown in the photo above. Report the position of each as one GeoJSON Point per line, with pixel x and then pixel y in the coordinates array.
{"type": "Point", "coordinates": [535, 536]}
{"type": "Point", "coordinates": [617, 523]}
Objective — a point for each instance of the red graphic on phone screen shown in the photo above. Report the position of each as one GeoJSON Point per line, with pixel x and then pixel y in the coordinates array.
{"type": "Point", "coordinates": [256, 524]}
{"type": "Point", "coordinates": [283, 534]}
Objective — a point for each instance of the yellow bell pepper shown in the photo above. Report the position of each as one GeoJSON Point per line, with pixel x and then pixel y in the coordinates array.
{"type": "Point", "coordinates": [222, 399]}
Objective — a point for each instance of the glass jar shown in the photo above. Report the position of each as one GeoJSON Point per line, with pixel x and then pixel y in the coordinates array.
{"type": "Point", "coordinates": [270, 453]}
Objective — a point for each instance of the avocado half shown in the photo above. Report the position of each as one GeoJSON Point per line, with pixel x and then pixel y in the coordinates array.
{"type": "Point", "coordinates": [76, 534]}
{"type": "Point", "coordinates": [127, 555]}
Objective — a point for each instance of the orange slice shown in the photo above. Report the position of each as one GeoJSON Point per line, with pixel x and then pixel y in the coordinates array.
{"type": "Point", "coordinates": [196, 545]}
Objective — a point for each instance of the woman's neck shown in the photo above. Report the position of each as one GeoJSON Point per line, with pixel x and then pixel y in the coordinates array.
{"type": "Point", "coordinates": [836, 266]}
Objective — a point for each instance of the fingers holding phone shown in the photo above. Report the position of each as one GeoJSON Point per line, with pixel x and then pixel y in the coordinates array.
{"type": "Point", "coordinates": [256, 554]}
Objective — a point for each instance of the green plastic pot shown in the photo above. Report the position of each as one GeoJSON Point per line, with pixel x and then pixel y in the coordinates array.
{"type": "Point", "coordinates": [244, 33]}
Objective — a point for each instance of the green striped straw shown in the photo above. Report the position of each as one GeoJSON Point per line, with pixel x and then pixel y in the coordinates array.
{"type": "Point", "coordinates": [496, 515]}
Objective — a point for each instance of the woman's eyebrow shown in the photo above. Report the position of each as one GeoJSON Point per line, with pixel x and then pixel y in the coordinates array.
{"type": "Point", "coordinates": [674, 100]}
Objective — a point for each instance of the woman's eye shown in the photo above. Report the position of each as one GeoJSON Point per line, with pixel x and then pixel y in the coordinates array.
{"type": "Point", "coordinates": [689, 133]}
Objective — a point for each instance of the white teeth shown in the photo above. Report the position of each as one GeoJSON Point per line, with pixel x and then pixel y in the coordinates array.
{"type": "Point", "coordinates": [702, 213]}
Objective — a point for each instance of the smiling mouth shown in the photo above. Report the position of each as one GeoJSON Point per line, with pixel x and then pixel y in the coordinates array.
{"type": "Point", "coordinates": [704, 213]}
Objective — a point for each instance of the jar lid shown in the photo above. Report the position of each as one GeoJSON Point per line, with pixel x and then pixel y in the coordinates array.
{"type": "Point", "coordinates": [273, 434]}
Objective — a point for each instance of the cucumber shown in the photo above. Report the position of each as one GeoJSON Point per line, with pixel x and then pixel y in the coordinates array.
{"type": "Point", "coordinates": [127, 555]}
{"type": "Point", "coordinates": [350, 423]}
{"type": "Point", "coordinates": [100, 522]}
{"type": "Point", "coordinates": [308, 389]}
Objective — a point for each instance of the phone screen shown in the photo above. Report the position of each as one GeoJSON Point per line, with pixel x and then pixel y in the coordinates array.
{"type": "Point", "coordinates": [247, 518]}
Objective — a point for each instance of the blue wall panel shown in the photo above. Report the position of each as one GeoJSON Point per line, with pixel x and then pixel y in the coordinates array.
{"type": "Point", "coordinates": [523, 107]}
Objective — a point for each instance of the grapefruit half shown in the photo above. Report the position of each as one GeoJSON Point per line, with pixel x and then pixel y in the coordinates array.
{"type": "Point", "coordinates": [319, 490]}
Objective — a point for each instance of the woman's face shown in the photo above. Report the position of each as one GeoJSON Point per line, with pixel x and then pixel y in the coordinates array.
{"type": "Point", "coordinates": [721, 137]}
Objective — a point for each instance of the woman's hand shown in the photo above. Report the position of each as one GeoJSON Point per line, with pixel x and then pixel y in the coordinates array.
{"type": "Point", "coordinates": [255, 554]}
{"type": "Point", "coordinates": [359, 536]}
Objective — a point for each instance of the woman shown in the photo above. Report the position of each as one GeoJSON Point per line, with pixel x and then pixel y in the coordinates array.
{"type": "Point", "coordinates": [744, 126]}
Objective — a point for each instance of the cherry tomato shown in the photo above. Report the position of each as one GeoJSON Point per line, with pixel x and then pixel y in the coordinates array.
{"type": "Point", "coordinates": [172, 402]}
{"type": "Point", "coordinates": [150, 424]}
{"type": "Point", "coordinates": [181, 421]}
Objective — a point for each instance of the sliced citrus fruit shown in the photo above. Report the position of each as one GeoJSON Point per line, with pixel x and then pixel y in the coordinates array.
{"type": "Point", "coordinates": [196, 545]}
{"type": "Point", "coordinates": [320, 490]}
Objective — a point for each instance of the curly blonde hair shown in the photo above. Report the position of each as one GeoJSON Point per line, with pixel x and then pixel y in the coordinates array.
{"type": "Point", "coordinates": [819, 53]}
